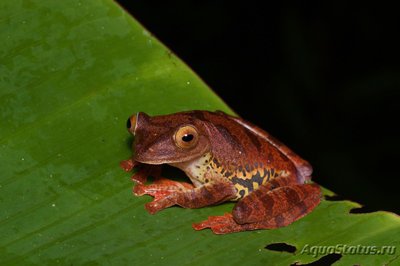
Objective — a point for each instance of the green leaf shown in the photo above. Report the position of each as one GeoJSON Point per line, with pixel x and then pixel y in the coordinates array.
{"type": "Point", "coordinates": [71, 72]}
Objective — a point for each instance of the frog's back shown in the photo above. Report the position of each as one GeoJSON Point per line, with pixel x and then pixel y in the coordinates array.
{"type": "Point", "coordinates": [249, 156]}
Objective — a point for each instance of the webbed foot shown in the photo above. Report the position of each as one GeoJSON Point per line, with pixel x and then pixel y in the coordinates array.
{"type": "Point", "coordinates": [160, 189]}
{"type": "Point", "coordinates": [220, 224]}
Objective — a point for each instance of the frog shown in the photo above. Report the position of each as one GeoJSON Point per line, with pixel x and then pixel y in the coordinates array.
{"type": "Point", "coordinates": [226, 159]}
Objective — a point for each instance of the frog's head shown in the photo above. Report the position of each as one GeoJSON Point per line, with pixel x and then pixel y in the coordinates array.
{"type": "Point", "coordinates": [174, 138]}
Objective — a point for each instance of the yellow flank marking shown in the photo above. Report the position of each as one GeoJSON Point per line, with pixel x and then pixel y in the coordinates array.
{"type": "Point", "coordinates": [255, 185]}
{"type": "Point", "coordinates": [239, 174]}
{"type": "Point", "coordinates": [284, 173]}
{"type": "Point", "coordinates": [249, 175]}
{"type": "Point", "coordinates": [241, 188]}
{"type": "Point", "coordinates": [261, 170]}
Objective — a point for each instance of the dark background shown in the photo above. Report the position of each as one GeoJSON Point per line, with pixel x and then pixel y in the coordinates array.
{"type": "Point", "coordinates": [324, 79]}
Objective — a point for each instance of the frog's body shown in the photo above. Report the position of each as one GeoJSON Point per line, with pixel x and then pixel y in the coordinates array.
{"type": "Point", "coordinates": [226, 158]}
{"type": "Point", "coordinates": [245, 178]}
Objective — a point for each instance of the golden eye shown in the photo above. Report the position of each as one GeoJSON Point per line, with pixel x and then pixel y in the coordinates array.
{"type": "Point", "coordinates": [131, 123]}
{"type": "Point", "coordinates": [186, 137]}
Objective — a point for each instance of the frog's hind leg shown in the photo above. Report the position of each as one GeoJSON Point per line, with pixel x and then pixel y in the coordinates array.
{"type": "Point", "coordinates": [276, 208]}
{"type": "Point", "coordinates": [266, 209]}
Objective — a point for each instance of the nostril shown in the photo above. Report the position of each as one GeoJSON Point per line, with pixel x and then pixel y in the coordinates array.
{"type": "Point", "coordinates": [128, 123]}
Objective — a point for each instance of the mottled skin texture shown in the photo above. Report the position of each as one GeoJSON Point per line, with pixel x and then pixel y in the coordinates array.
{"type": "Point", "coordinates": [226, 159]}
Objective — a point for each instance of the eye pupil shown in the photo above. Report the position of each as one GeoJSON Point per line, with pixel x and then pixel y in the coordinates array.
{"type": "Point", "coordinates": [128, 123]}
{"type": "Point", "coordinates": [187, 137]}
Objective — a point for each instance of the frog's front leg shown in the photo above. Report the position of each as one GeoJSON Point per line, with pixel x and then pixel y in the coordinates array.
{"type": "Point", "coordinates": [160, 188]}
{"type": "Point", "coordinates": [266, 209]}
{"type": "Point", "coordinates": [144, 171]}
{"type": "Point", "coordinates": [205, 195]}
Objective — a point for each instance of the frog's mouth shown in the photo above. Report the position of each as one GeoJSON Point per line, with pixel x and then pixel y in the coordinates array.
{"type": "Point", "coordinates": [138, 157]}
{"type": "Point", "coordinates": [158, 156]}
{"type": "Point", "coordinates": [162, 160]}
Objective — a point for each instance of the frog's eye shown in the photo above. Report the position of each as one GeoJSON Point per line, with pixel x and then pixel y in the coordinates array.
{"type": "Point", "coordinates": [186, 137]}
{"type": "Point", "coordinates": [131, 123]}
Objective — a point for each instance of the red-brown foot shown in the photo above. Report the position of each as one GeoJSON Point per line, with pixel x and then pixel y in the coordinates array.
{"type": "Point", "coordinates": [144, 172]}
{"type": "Point", "coordinates": [128, 165]}
{"type": "Point", "coordinates": [221, 224]}
{"type": "Point", "coordinates": [141, 175]}
{"type": "Point", "coordinates": [160, 189]}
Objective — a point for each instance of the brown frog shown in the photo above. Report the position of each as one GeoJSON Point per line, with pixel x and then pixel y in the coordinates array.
{"type": "Point", "coordinates": [226, 159]}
